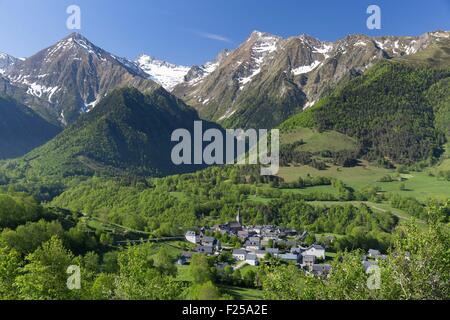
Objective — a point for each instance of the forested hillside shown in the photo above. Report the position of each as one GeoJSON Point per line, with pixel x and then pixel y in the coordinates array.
{"type": "Point", "coordinates": [398, 111]}
{"type": "Point", "coordinates": [21, 129]}
{"type": "Point", "coordinates": [127, 133]}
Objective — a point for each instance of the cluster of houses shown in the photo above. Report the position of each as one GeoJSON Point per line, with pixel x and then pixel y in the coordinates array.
{"type": "Point", "coordinates": [372, 258]}
{"type": "Point", "coordinates": [259, 243]}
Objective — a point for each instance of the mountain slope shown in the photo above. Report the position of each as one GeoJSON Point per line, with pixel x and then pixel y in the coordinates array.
{"type": "Point", "coordinates": [166, 74]}
{"type": "Point", "coordinates": [128, 132]}
{"type": "Point", "coordinates": [6, 61]}
{"type": "Point", "coordinates": [398, 110]}
{"type": "Point", "coordinates": [268, 78]}
{"type": "Point", "coordinates": [69, 78]}
{"type": "Point", "coordinates": [21, 129]}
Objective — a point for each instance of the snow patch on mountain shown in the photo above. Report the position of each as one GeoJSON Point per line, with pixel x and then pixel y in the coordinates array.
{"type": "Point", "coordinates": [166, 74]}
{"type": "Point", "coordinates": [74, 41]}
{"type": "Point", "coordinates": [360, 44]}
{"type": "Point", "coordinates": [203, 71]}
{"type": "Point", "coordinates": [306, 69]}
{"type": "Point", "coordinates": [264, 45]}
{"type": "Point", "coordinates": [6, 61]}
{"type": "Point", "coordinates": [228, 114]}
{"type": "Point", "coordinates": [325, 49]}
{"type": "Point", "coordinates": [38, 90]}
{"type": "Point", "coordinates": [309, 104]}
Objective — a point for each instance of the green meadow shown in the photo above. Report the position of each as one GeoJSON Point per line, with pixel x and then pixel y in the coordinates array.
{"type": "Point", "coordinates": [419, 185]}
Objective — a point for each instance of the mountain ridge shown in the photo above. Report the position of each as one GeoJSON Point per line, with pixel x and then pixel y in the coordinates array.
{"type": "Point", "coordinates": [21, 129]}
{"type": "Point", "coordinates": [128, 132]}
{"type": "Point", "coordinates": [398, 110]}
{"type": "Point", "coordinates": [69, 78]}
{"type": "Point", "coordinates": [290, 75]}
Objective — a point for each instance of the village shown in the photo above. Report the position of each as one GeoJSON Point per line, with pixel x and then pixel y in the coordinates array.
{"type": "Point", "coordinates": [260, 243]}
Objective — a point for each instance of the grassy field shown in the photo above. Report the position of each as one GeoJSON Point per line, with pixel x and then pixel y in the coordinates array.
{"type": "Point", "coordinates": [237, 292]}
{"type": "Point", "coordinates": [173, 248]}
{"type": "Point", "coordinates": [318, 141]}
{"type": "Point", "coordinates": [380, 207]}
{"type": "Point", "coordinates": [417, 184]}
{"type": "Point", "coordinates": [243, 293]}
{"type": "Point", "coordinates": [183, 273]}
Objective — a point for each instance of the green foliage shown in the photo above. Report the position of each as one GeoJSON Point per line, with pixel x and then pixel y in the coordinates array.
{"type": "Point", "coordinates": [44, 275]}
{"type": "Point", "coordinates": [27, 238]}
{"type": "Point", "coordinates": [103, 287]}
{"type": "Point", "coordinates": [438, 95]}
{"type": "Point", "coordinates": [283, 283]}
{"type": "Point", "coordinates": [16, 209]}
{"type": "Point", "coordinates": [204, 291]}
{"type": "Point", "coordinates": [139, 279]}
{"type": "Point", "coordinates": [128, 132]}
{"type": "Point", "coordinates": [10, 264]}
{"type": "Point", "coordinates": [396, 111]}
{"type": "Point", "coordinates": [200, 269]}
{"type": "Point", "coordinates": [305, 119]}
{"type": "Point", "coordinates": [410, 205]}
{"type": "Point", "coordinates": [416, 268]}
{"type": "Point", "coordinates": [164, 263]}
{"type": "Point", "coordinates": [214, 195]}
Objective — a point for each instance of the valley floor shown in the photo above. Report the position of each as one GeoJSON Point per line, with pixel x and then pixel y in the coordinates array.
{"type": "Point", "coordinates": [419, 185]}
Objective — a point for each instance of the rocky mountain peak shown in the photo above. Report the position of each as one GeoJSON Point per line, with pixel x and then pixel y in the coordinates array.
{"type": "Point", "coordinates": [295, 72]}
{"type": "Point", "coordinates": [69, 78]}
{"type": "Point", "coordinates": [6, 61]}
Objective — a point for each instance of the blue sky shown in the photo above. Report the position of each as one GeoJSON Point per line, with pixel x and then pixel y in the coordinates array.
{"type": "Point", "coordinates": [194, 31]}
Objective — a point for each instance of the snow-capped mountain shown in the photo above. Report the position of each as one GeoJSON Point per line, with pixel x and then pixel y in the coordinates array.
{"type": "Point", "coordinates": [70, 77]}
{"type": "Point", "coordinates": [259, 84]}
{"type": "Point", "coordinates": [268, 78]}
{"type": "Point", "coordinates": [6, 61]}
{"type": "Point", "coordinates": [197, 73]}
{"type": "Point", "coordinates": [166, 74]}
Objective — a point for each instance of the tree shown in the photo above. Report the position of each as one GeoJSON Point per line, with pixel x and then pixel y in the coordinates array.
{"type": "Point", "coordinates": [204, 291]}
{"type": "Point", "coordinates": [138, 278]}
{"type": "Point", "coordinates": [27, 238]}
{"type": "Point", "coordinates": [17, 209]}
{"type": "Point", "coordinates": [282, 283]}
{"type": "Point", "coordinates": [44, 277]}
{"type": "Point", "coordinates": [347, 280]}
{"type": "Point", "coordinates": [225, 256]}
{"type": "Point", "coordinates": [110, 264]}
{"type": "Point", "coordinates": [103, 287]}
{"type": "Point", "coordinates": [200, 269]}
{"type": "Point", "coordinates": [249, 278]}
{"type": "Point", "coordinates": [106, 239]}
{"type": "Point", "coordinates": [10, 263]}
{"type": "Point", "coordinates": [164, 262]}
{"type": "Point", "coordinates": [418, 266]}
